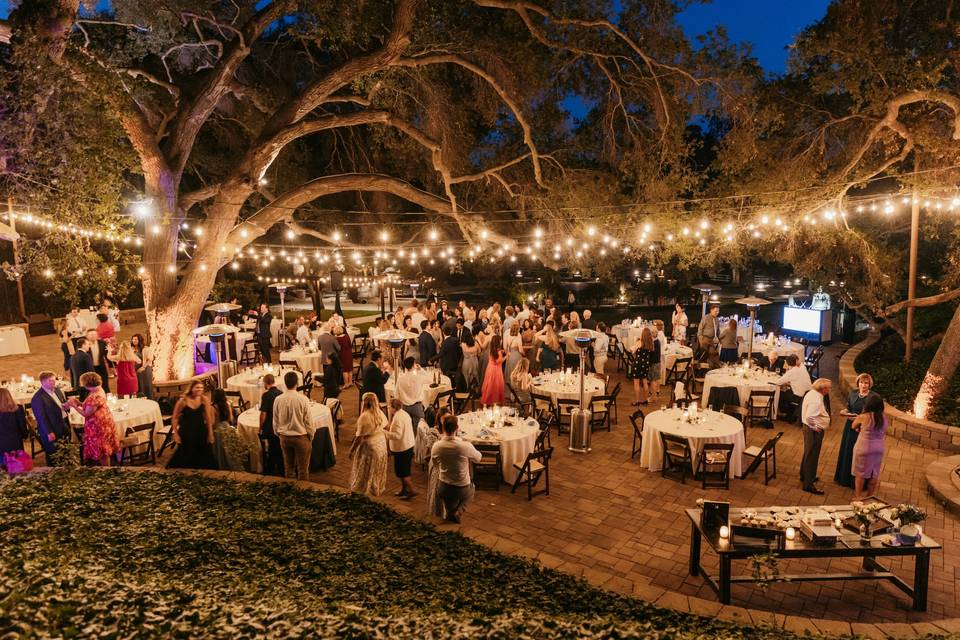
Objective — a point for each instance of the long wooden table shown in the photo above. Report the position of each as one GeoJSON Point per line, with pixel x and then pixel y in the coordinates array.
{"type": "Point", "coordinates": [848, 546]}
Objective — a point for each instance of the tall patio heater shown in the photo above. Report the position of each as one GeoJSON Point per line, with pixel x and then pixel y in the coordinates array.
{"type": "Point", "coordinates": [580, 431]}
{"type": "Point", "coordinates": [752, 302]}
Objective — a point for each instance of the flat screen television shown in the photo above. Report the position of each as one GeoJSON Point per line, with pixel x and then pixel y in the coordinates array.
{"type": "Point", "coordinates": [809, 323]}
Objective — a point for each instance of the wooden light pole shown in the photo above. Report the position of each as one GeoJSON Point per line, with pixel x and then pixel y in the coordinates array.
{"type": "Point", "coordinates": [912, 278]}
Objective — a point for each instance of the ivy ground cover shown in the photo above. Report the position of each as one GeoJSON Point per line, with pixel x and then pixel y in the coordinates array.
{"type": "Point", "coordinates": [114, 554]}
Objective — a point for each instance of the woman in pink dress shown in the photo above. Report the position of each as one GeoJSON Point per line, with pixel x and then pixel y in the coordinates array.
{"type": "Point", "coordinates": [127, 362]}
{"type": "Point", "coordinates": [492, 391]}
{"type": "Point", "coordinates": [868, 451]}
{"type": "Point", "coordinates": [346, 354]}
{"type": "Point", "coordinates": [99, 430]}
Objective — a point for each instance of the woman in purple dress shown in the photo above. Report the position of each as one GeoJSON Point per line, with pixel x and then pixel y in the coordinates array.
{"type": "Point", "coordinates": [871, 425]}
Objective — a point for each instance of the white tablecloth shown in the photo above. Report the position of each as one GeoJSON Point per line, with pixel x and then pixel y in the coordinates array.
{"type": "Point", "coordinates": [249, 385]}
{"type": "Point", "coordinates": [727, 377]}
{"type": "Point", "coordinates": [130, 413]}
{"type": "Point", "coordinates": [307, 361]}
{"type": "Point", "coordinates": [248, 428]}
{"type": "Point", "coordinates": [425, 377]}
{"type": "Point", "coordinates": [13, 340]}
{"type": "Point", "coordinates": [776, 350]}
{"type": "Point", "coordinates": [670, 354]}
{"type": "Point", "coordinates": [716, 427]}
{"type": "Point", "coordinates": [559, 385]}
{"type": "Point", "coordinates": [23, 392]}
{"type": "Point", "coordinates": [629, 334]}
{"type": "Point", "coordinates": [517, 438]}
{"type": "Point", "coordinates": [88, 318]}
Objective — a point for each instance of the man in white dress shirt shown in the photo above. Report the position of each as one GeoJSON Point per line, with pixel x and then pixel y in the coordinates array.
{"type": "Point", "coordinates": [291, 421]}
{"type": "Point", "coordinates": [400, 439]}
{"type": "Point", "coordinates": [816, 419]}
{"type": "Point", "coordinates": [75, 328]}
{"type": "Point", "coordinates": [303, 332]}
{"type": "Point", "coordinates": [794, 384]}
{"type": "Point", "coordinates": [508, 319]}
{"type": "Point", "coordinates": [416, 314]}
{"type": "Point", "coordinates": [410, 390]}
{"type": "Point", "coordinates": [453, 456]}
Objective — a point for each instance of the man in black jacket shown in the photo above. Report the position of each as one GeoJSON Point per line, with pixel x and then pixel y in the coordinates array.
{"type": "Point", "coordinates": [264, 319]}
{"type": "Point", "coordinates": [273, 465]}
{"type": "Point", "coordinates": [50, 408]}
{"type": "Point", "coordinates": [427, 345]}
{"type": "Point", "coordinates": [450, 354]}
{"type": "Point", "coordinates": [98, 353]}
{"type": "Point", "coordinates": [80, 363]}
{"type": "Point", "coordinates": [375, 375]}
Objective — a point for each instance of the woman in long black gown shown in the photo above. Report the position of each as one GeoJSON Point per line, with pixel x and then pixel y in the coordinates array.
{"type": "Point", "coordinates": [855, 400]}
{"type": "Point", "coordinates": [193, 431]}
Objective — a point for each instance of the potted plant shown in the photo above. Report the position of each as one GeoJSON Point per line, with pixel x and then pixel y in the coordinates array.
{"type": "Point", "coordinates": [910, 517]}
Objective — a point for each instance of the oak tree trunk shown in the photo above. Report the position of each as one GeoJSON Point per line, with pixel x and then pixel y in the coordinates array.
{"type": "Point", "coordinates": [942, 369]}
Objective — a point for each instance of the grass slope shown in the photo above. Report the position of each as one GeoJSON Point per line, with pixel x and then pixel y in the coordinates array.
{"type": "Point", "coordinates": [113, 554]}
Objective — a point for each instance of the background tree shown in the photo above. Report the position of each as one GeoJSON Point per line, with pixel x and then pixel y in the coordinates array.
{"type": "Point", "coordinates": [215, 98]}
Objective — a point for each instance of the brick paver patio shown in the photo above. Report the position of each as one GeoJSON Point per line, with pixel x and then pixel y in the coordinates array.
{"type": "Point", "coordinates": [623, 527]}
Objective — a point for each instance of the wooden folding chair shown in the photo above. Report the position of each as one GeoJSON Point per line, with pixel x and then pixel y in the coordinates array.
{"type": "Point", "coordinates": [236, 402]}
{"type": "Point", "coordinates": [760, 407]}
{"type": "Point", "coordinates": [600, 412]}
{"type": "Point", "coordinates": [676, 456]}
{"type": "Point", "coordinates": [543, 410]}
{"type": "Point", "coordinates": [635, 417]}
{"type": "Point", "coordinates": [713, 465]}
{"type": "Point", "coordinates": [536, 464]}
{"type": "Point", "coordinates": [678, 371]}
{"type": "Point", "coordinates": [565, 407]}
{"type": "Point", "coordinates": [738, 412]}
{"type": "Point", "coordinates": [614, 395]}
{"type": "Point", "coordinates": [250, 354]}
{"type": "Point", "coordinates": [489, 466]}
{"type": "Point", "coordinates": [444, 399]}
{"type": "Point", "coordinates": [132, 439]}
{"type": "Point", "coordinates": [766, 455]}
{"type": "Point", "coordinates": [464, 400]}
{"type": "Point", "coordinates": [543, 440]}
{"type": "Point", "coordinates": [525, 408]}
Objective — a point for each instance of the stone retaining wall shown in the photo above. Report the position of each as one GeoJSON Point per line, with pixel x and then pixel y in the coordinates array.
{"type": "Point", "coordinates": [928, 434]}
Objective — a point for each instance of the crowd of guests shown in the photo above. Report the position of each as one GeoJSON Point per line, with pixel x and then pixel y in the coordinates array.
{"type": "Point", "coordinates": [492, 349]}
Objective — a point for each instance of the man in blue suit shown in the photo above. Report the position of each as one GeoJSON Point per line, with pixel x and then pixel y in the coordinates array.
{"type": "Point", "coordinates": [50, 408]}
{"type": "Point", "coordinates": [427, 345]}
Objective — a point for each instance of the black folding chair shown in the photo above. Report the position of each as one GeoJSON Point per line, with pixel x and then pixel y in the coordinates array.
{"type": "Point", "coordinates": [536, 464]}
{"type": "Point", "coordinates": [713, 465]}
{"type": "Point", "coordinates": [766, 455]}
{"type": "Point", "coordinates": [636, 417]}
{"type": "Point", "coordinates": [132, 440]}
{"type": "Point", "coordinates": [676, 456]}
{"type": "Point", "coordinates": [489, 466]}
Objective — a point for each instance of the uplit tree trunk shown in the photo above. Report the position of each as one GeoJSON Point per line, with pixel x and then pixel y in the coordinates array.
{"type": "Point", "coordinates": [942, 369]}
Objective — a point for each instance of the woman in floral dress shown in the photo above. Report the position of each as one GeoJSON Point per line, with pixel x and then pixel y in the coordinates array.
{"type": "Point", "coordinates": [100, 440]}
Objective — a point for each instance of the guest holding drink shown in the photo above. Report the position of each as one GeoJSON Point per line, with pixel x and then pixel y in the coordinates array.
{"type": "Point", "coordinates": [848, 441]}
{"type": "Point", "coordinates": [100, 440]}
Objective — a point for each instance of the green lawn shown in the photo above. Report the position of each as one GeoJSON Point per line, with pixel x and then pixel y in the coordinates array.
{"type": "Point", "coordinates": [114, 554]}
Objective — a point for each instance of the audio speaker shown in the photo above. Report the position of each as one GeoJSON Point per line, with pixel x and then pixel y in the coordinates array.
{"type": "Point", "coordinates": [336, 281]}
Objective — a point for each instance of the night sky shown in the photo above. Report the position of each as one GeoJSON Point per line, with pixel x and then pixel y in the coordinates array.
{"type": "Point", "coordinates": [769, 25]}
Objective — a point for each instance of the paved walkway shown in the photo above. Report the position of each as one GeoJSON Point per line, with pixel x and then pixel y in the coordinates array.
{"type": "Point", "coordinates": [624, 528]}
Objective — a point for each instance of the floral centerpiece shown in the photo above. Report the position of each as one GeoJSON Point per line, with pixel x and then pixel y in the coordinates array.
{"type": "Point", "coordinates": [910, 517]}
{"type": "Point", "coordinates": [866, 515]}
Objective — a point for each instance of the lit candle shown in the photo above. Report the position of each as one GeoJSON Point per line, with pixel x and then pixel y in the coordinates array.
{"type": "Point", "coordinates": [724, 532]}
{"type": "Point", "coordinates": [791, 533]}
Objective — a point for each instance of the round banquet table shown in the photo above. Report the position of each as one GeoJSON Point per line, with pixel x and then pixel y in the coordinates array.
{"type": "Point", "coordinates": [248, 428]}
{"type": "Point", "coordinates": [427, 393]}
{"type": "Point", "coordinates": [517, 438]}
{"type": "Point", "coordinates": [715, 427]}
{"type": "Point", "coordinates": [241, 338]}
{"type": "Point", "coordinates": [670, 353]}
{"type": "Point", "coordinates": [249, 385]}
{"type": "Point", "coordinates": [23, 392]}
{"type": "Point", "coordinates": [131, 413]}
{"type": "Point", "coordinates": [13, 340]}
{"type": "Point", "coordinates": [306, 360]}
{"type": "Point", "coordinates": [754, 380]}
{"type": "Point", "coordinates": [559, 386]}
{"type": "Point", "coordinates": [776, 350]}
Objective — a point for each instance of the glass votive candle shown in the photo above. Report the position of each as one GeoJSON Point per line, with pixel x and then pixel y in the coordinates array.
{"type": "Point", "coordinates": [791, 533]}
{"type": "Point", "coordinates": [724, 532]}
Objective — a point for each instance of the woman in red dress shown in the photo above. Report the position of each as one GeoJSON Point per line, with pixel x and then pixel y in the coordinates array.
{"type": "Point", "coordinates": [99, 430]}
{"type": "Point", "coordinates": [127, 363]}
{"type": "Point", "coordinates": [493, 390]}
{"type": "Point", "coordinates": [346, 353]}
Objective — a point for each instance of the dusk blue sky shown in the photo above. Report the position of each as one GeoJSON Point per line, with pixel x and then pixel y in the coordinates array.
{"type": "Point", "coordinates": [769, 25]}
